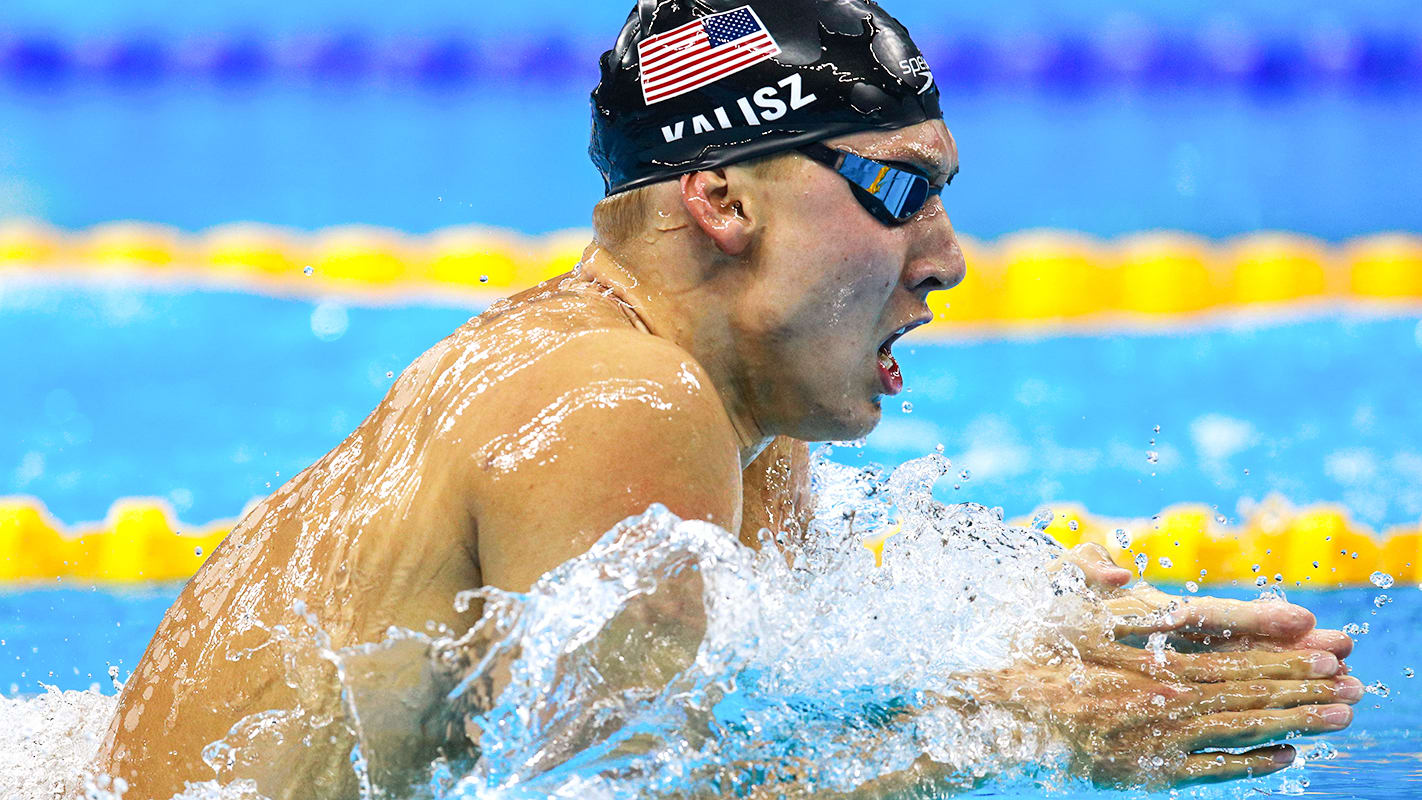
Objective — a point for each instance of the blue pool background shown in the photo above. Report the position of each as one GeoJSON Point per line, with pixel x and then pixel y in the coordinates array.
{"type": "Point", "coordinates": [205, 398]}
{"type": "Point", "coordinates": [122, 390]}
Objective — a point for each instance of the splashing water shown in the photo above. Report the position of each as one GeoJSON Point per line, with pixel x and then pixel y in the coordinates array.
{"type": "Point", "coordinates": [670, 661]}
{"type": "Point", "coordinates": [48, 740]}
{"type": "Point", "coordinates": [806, 674]}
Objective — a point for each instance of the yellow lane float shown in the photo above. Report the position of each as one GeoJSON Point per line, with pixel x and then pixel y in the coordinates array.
{"type": "Point", "coordinates": [139, 541]}
{"type": "Point", "coordinates": [1315, 547]}
{"type": "Point", "coordinates": [1318, 547]}
{"type": "Point", "coordinates": [1024, 280]}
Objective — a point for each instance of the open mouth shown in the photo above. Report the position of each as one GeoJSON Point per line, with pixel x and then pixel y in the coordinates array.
{"type": "Point", "coordinates": [889, 374]}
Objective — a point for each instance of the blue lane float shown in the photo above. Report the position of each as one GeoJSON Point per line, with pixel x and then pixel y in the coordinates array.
{"type": "Point", "coordinates": [1213, 55]}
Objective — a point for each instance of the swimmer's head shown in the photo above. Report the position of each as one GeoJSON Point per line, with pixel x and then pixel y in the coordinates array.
{"type": "Point", "coordinates": [693, 84]}
{"type": "Point", "coordinates": [814, 276]}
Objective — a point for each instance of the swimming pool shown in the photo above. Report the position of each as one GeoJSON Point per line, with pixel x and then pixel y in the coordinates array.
{"type": "Point", "coordinates": [154, 381]}
{"type": "Point", "coordinates": [1315, 407]}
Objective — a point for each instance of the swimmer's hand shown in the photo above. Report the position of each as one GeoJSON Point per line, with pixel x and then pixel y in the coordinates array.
{"type": "Point", "coordinates": [1202, 623]}
{"type": "Point", "coordinates": [1095, 563]}
{"type": "Point", "coordinates": [1156, 717]}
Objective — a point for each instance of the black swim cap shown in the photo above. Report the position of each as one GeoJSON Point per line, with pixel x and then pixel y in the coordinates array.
{"type": "Point", "coordinates": [696, 84]}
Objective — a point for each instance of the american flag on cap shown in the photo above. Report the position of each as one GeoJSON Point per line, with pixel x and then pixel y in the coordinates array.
{"type": "Point", "coordinates": [702, 52]}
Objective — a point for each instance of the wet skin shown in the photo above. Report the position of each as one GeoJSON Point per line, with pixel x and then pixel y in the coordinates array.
{"type": "Point", "coordinates": [685, 366]}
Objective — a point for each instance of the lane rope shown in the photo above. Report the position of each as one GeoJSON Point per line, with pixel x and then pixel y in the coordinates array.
{"type": "Point", "coordinates": [1025, 279]}
{"type": "Point", "coordinates": [141, 541]}
{"type": "Point", "coordinates": [1143, 53]}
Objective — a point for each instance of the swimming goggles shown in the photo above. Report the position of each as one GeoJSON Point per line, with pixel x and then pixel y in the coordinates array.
{"type": "Point", "coordinates": [892, 194]}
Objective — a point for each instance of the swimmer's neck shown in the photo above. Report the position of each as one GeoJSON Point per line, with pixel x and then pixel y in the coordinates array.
{"type": "Point", "coordinates": [689, 313]}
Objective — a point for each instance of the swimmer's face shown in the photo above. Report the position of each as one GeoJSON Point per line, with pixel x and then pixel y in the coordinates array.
{"type": "Point", "coordinates": [834, 285]}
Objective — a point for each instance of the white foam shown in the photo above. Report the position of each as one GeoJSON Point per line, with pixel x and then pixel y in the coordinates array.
{"type": "Point", "coordinates": [48, 740]}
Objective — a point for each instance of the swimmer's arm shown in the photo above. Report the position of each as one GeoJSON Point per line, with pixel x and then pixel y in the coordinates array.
{"type": "Point", "coordinates": [597, 431]}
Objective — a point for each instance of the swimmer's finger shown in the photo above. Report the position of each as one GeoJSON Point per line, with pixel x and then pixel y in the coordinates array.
{"type": "Point", "coordinates": [1213, 698]}
{"type": "Point", "coordinates": [1267, 618]}
{"type": "Point", "coordinates": [1336, 642]}
{"type": "Point", "coordinates": [1250, 728]}
{"type": "Point", "coordinates": [1096, 565]}
{"type": "Point", "coordinates": [1252, 665]}
{"type": "Point", "coordinates": [1216, 767]}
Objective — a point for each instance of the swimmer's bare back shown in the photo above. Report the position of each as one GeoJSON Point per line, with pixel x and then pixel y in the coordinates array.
{"type": "Point", "coordinates": [506, 449]}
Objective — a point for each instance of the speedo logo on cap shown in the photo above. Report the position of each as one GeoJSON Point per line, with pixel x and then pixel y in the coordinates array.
{"type": "Point", "coordinates": [702, 52]}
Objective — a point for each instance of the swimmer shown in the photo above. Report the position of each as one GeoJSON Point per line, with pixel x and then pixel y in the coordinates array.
{"type": "Point", "coordinates": [773, 225]}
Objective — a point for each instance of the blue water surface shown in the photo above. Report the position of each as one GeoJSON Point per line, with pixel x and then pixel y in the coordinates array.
{"type": "Point", "coordinates": [69, 637]}
{"type": "Point", "coordinates": [1217, 162]}
{"type": "Point", "coordinates": [174, 17]}
{"type": "Point", "coordinates": [211, 398]}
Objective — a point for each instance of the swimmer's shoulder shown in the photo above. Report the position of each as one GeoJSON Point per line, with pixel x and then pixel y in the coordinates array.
{"type": "Point", "coordinates": [552, 339]}
{"type": "Point", "coordinates": [611, 374]}
{"type": "Point", "coordinates": [598, 430]}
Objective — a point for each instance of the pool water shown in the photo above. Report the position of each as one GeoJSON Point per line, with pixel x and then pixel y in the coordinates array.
{"type": "Point", "coordinates": [128, 391]}
{"type": "Point", "coordinates": [1316, 407]}
{"type": "Point", "coordinates": [69, 637]}
{"type": "Point", "coordinates": [209, 399]}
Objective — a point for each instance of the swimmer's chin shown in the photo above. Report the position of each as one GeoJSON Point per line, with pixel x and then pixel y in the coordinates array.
{"type": "Point", "coordinates": [858, 426]}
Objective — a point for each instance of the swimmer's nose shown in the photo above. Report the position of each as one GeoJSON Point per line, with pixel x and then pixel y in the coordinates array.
{"type": "Point", "coordinates": [939, 264]}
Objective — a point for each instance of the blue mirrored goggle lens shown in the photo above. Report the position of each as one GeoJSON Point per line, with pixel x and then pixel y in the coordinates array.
{"type": "Point", "coordinates": [901, 193]}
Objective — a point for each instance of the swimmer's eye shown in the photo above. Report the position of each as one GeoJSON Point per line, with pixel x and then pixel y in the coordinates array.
{"type": "Point", "coordinates": [892, 191]}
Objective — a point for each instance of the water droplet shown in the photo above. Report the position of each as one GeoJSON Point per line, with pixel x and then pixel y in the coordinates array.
{"type": "Point", "coordinates": [1278, 577]}
{"type": "Point", "coordinates": [1122, 539]}
{"type": "Point", "coordinates": [309, 271]}
{"type": "Point", "coordinates": [966, 475]}
{"type": "Point", "coordinates": [329, 321]}
{"type": "Point", "coordinates": [1165, 562]}
{"type": "Point", "coordinates": [1254, 568]}
{"type": "Point", "coordinates": [389, 374]}
{"type": "Point", "coordinates": [1315, 565]}
{"type": "Point", "coordinates": [1378, 688]}
{"type": "Point", "coordinates": [1381, 600]}
{"type": "Point", "coordinates": [1407, 672]}
{"type": "Point", "coordinates": [1354, 629]}
{"type": "Point", "coordinates": [1381, 579]}
{"type": "Point", "coordinates": [1246, 472]}
{"type": "Point", "coordinates": [1153, 457]}
{"type": "Point", "coordinates": [197, 551]}
{"type": "Point", "coordinates": [483, 278]}
{"type": "Point", "coordinates": [1221, 519]}
{"type": "Point", "coordinates": [1142, 560]}
{"type": "Point", "coordinates": [1322, 751]}
{"type": "Point", "coordinates": [1042, 519]}
{"type": "Point", "coordinates": [1156, 429]}
{"type": "Point", "coordinates": [1073, 525]}
{"type": "Point", "coordinates": [908, 407]}
{"type": "Point", "coordinates": [938, 448]}
{"type": "Point", "coordinates": [1192, 587]}
{"type": "Point", "coordinates": [1260, 581]}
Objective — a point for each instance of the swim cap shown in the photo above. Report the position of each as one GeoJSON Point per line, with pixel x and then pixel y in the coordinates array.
{"type": "Point", "coordinates": [698, 84]}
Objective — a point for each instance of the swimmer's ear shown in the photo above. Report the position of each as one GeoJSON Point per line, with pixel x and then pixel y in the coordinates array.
{"type": "Point", "coordinates": [718, 210]}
